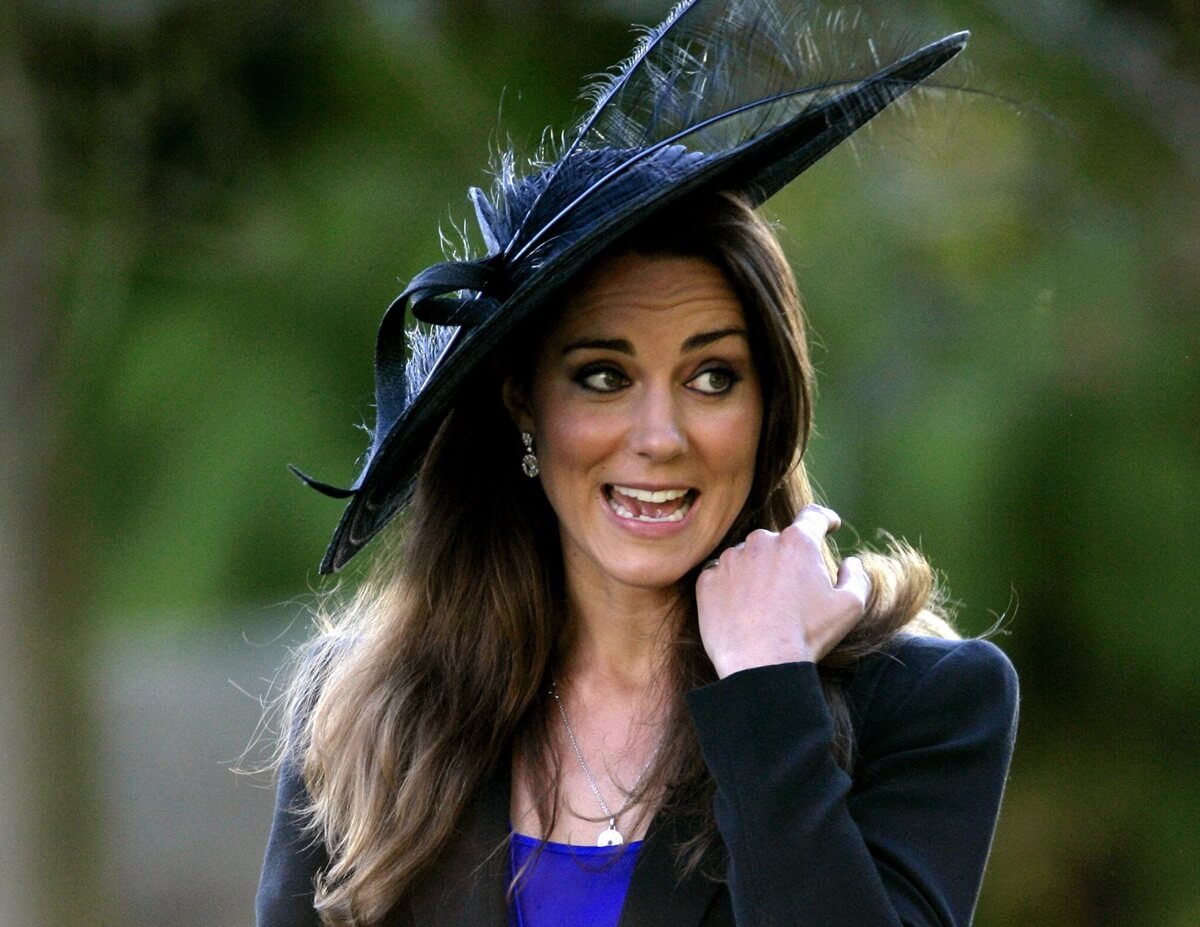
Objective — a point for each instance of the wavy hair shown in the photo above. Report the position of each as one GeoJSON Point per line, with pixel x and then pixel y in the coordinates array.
{"type": "Point", "coordinates": [434, 673]}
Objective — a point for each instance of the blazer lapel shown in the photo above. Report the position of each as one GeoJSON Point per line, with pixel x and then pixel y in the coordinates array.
{"type": "Point", "coordinates": [461, 890]}
{"type": "Point", "coordinates": [655, 898]}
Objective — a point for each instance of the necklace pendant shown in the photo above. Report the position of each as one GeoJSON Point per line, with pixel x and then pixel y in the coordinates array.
{"type": "Point", "coordinates": [610, 836]}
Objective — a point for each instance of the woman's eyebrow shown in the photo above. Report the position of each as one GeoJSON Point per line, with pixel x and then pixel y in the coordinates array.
{"type": "Point", "coordinates": [695, 342]}
{"type": "Point", "coordinates": [602, 344]}
{"type": "Point", "coordinates": [706, 338]}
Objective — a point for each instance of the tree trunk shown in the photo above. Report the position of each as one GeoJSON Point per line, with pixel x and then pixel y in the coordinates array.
{"type": "Point", "coordinates": [48, 870]}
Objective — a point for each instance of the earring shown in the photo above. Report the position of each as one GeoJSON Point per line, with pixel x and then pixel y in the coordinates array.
{"type": "Point", "coordinates": [529, 463]}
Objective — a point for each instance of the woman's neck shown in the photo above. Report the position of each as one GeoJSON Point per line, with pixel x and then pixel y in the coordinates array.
{"type": "Point", "coordinates": [619, 637]}
{"type": "Point", "coordinates": [613, 686]}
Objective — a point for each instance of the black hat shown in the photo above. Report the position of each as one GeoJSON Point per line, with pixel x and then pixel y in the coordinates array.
{"type": "Point", "coordinates": [735, 95]}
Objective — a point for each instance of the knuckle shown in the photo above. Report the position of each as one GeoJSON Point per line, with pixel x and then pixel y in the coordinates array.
{"type": "Point", "coordinates": [760, 536]}
{"type": "Point", "coordinates": [825, 516]}
{"type": "Point", "coordinates": [851, 601]}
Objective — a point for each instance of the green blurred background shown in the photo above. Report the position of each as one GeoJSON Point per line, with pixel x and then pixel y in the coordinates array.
{"type": "Point", "coordinates": [205, 206]}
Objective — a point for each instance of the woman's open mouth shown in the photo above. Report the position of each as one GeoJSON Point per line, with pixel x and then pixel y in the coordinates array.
{"type": "Point", "coordinates": [649, 505]}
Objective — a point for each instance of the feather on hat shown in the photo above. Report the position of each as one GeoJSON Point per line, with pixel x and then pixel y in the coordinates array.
{"type": "Point", "coordinates": [737, 95]}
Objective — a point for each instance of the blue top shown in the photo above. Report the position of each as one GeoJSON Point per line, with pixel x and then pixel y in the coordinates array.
{"type": "Point", "coordinates": [570, 886]}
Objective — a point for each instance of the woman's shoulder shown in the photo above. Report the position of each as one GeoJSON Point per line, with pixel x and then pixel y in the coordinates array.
{"type": "Point", "coordinates": [969, 679]}
{"type": "Point", "coordinates": [910, 656]}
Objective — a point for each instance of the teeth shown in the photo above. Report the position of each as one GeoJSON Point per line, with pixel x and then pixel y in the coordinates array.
{"type": "Point", "coordinates": [646, 495]}
{"type": "Point", "coordinates": [620, 509]}
{"type": "Point", "coordinates": [676, 515]}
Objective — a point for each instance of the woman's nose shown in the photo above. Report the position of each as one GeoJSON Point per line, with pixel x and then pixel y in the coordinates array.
{"type": "Point", "coordinates": [657, 432]}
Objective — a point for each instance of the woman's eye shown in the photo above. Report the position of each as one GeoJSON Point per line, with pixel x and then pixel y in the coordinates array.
{"type": "Point", "coordinates": [604, 380]}
{"type": "Point", "coordinates": [714, 382]}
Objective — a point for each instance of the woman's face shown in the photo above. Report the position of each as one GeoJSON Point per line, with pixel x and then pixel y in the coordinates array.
{"type": "Point", "coordinates": [646, 409]}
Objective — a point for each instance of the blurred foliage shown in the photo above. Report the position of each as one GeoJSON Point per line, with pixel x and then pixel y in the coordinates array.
{"type": "Point", "coordinates": [1004, 304]}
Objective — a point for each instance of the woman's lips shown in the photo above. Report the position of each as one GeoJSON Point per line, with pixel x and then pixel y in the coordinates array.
{"type": "Point", "coordinates": [652, 506]}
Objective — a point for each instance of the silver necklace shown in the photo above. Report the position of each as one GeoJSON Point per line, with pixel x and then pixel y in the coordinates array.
{"type": "Point", "coordinates": [610, 836]}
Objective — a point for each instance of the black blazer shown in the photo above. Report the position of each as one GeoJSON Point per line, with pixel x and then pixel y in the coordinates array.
{"type": "Point", "coordinates": [903, 841]}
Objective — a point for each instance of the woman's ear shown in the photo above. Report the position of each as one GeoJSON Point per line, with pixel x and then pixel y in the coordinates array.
{"type": "Point", "coordinates": [516, 400]}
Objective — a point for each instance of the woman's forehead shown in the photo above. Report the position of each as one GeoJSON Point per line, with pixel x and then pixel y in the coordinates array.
{"type": "Point", "coordinates": [636, 290]}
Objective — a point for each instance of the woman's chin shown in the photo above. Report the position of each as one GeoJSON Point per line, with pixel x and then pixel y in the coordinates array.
{"type": "Point", "coordinates": [663, 573]}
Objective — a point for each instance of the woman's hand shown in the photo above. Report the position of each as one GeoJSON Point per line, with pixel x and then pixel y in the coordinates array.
{"type": "Point", "coordinates": [771, 599]}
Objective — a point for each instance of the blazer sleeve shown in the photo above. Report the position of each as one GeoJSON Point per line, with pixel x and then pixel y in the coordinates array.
{"type": "Point", "coordinates": [902, 842]}
{"type": "Point", "coordinates": [293, 859]}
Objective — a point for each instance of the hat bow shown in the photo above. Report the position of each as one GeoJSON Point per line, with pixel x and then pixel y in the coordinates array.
{"type": "Point", "coordinates": [427, 294]}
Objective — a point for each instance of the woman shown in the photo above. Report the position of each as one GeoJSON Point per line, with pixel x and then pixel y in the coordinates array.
{"type": "Point", "coordinates": [610, 669]}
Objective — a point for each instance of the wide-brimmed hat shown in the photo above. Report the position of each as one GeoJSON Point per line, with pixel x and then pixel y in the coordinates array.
{"type": "Point", "coordinates": [725, 95]}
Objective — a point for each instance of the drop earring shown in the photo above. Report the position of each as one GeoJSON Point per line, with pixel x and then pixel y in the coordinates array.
{"type": "Point", "coordinates": [529, 463]}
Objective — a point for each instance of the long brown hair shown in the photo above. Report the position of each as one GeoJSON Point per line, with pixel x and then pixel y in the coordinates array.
{"type": "Point", "coordinates": [436, 671]}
